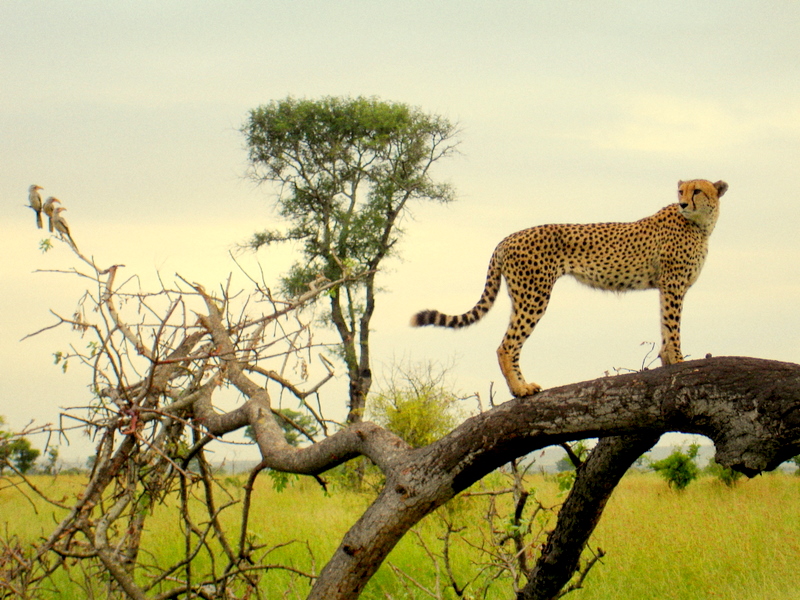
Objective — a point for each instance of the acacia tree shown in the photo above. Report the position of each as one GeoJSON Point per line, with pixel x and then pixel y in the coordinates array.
{"type": "Point", "coordinates": [346, 170]}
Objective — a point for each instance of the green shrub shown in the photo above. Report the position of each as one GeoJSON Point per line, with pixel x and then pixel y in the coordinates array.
{"type": "Point", "coordinates": [679, 468]}
{"type": "Point", "coordinates": [725, 474]}
{"type": "Point", "coordinates": [416, 405]}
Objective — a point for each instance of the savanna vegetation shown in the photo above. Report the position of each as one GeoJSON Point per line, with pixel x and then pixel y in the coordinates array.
{"type": "Point", "coordinates": [173, 370]}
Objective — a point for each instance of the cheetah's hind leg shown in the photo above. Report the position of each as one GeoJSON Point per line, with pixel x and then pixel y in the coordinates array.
{"type": "Point", "coordinates": [523, 319]}
{"type": "Point", "coordinates": [509, 365]}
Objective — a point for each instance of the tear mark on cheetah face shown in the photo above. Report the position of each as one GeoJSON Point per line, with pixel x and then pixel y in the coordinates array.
{"type": "Point", "coordinates": [665, 251]}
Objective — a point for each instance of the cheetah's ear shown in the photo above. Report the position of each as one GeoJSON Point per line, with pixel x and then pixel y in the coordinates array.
{"type": "Point", "coordinates": [722, 187]}
{"type": "Point", "coordinates": [681, 182]}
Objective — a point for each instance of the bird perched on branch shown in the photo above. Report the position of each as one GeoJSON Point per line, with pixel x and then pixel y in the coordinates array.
{"type": "Point", "coordinates": [35, 200]}
{"type": "Point", "coordinates": [61, 226]}
{"type": "Point", "coordinates": [48, 209]}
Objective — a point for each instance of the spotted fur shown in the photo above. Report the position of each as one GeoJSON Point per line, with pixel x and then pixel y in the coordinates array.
{"type": "Point", "coordinates": [664, 251]}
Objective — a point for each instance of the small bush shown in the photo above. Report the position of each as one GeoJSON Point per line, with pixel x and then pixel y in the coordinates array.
{"type": "Point", "coordinates": [725, 474]}
{"type": "Point", "coordinates": [679, 468]}
{"type": "Point", "coordinates": [416, 404]}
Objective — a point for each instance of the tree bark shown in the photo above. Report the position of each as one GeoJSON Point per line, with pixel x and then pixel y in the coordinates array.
{"type": "Point", "coordinates": [595, 481]}
{"type": "Point", "coordinates": [750, 408]}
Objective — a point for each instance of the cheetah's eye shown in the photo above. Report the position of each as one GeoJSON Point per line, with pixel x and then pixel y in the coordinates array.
{"type": "Point", "coordinates": [694, 193]}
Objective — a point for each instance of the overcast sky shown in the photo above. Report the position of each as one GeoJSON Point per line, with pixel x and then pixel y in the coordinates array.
{"type": "Point", "coordinates": [129, 112]}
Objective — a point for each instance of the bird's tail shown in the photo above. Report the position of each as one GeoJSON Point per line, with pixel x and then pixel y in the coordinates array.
{"type": "Point", "coordinates": [71, 241]}
{"type": "Point", "coordinates": [486, 301]}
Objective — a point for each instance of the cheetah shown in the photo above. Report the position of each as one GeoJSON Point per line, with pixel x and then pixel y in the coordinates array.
{"type": "Point", "coordinates": [664, 251]}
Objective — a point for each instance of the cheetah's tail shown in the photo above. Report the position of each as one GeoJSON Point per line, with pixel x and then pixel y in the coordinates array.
{"type": "Point", "coordinates": [486, 301]}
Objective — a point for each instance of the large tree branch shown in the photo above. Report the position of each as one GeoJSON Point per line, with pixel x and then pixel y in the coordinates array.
{"type": "Point", "coordinates": [595, 481]}
{"type": "Point", "coordinates": [382, 447]}
{"type": "Point", "coordinates": [750, 408]}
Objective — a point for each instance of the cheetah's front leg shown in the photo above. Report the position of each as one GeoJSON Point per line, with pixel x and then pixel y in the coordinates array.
{"type": "Point", "coordinates": [671, 295]}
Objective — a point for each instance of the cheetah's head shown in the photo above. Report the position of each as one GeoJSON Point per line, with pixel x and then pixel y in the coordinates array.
{"type": "Point", "coordinates": [698, 200]}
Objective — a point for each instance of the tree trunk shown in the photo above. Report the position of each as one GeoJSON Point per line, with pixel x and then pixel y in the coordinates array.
{"type": "Point", "coordinates": [580, 514]}
{"type": "Point", "coordinates": [749, 407]}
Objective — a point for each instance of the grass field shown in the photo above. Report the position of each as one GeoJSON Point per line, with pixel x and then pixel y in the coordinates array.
{"type": "Point", "coordinates": [708, 542]}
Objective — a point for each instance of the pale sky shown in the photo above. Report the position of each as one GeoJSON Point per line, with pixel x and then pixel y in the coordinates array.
{"type": "Point", "coordinates": [129, 112]}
